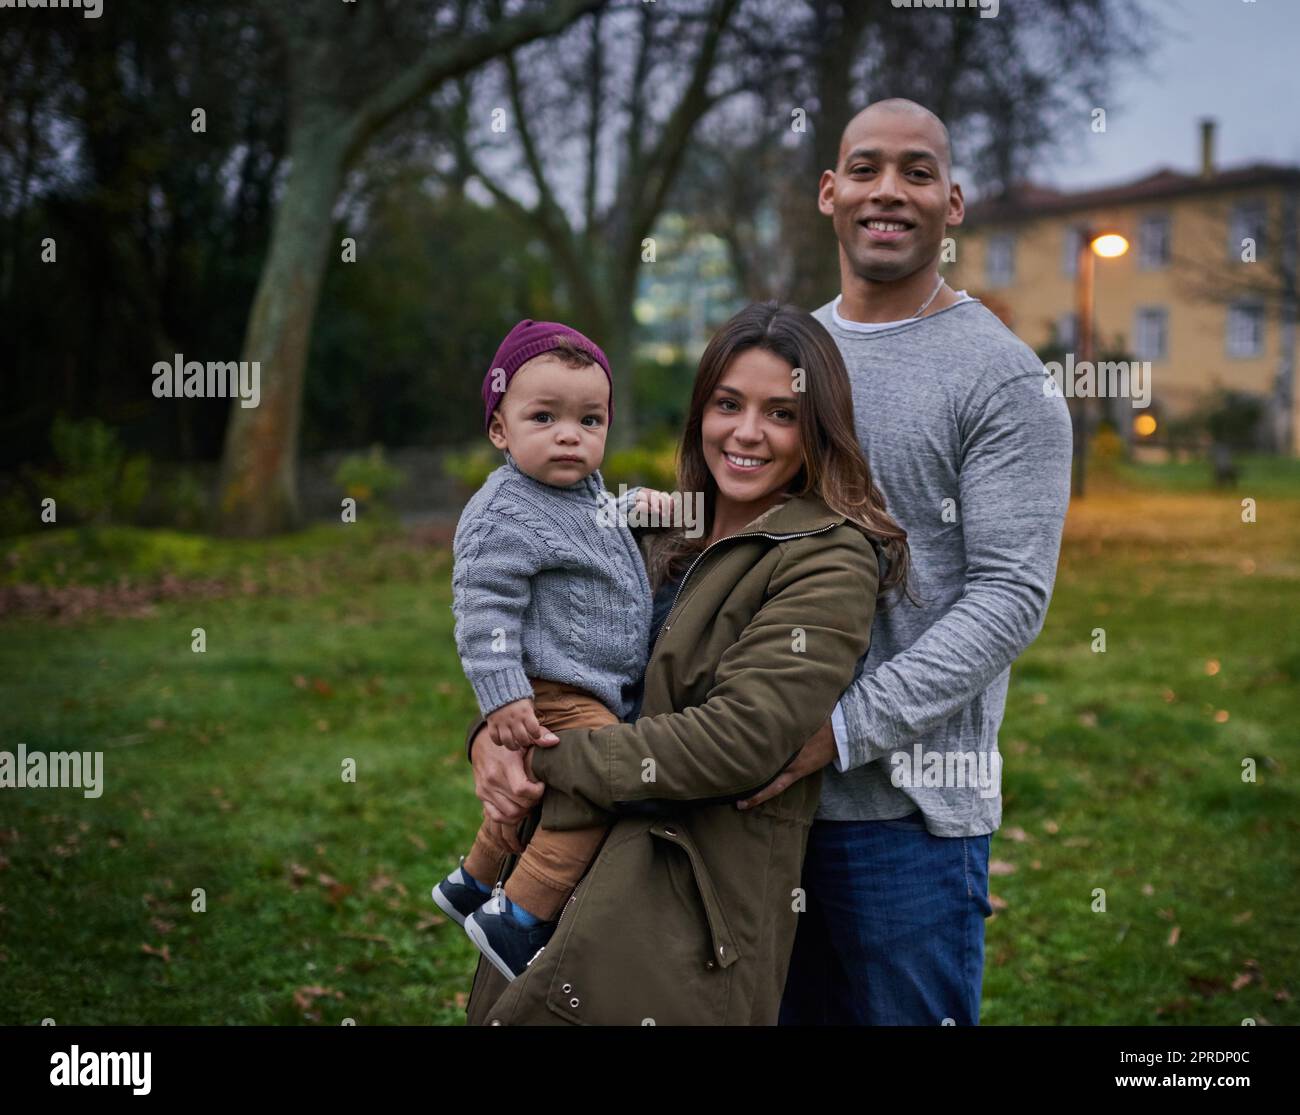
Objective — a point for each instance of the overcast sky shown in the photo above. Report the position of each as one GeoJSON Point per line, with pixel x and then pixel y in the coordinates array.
{"type": "Point", "coordinates": [1235, 60]}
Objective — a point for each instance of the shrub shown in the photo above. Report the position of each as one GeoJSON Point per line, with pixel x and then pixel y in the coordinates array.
{"type": "Point", "coordinates": [368, 477]}
{"type": "Point", "coordinates": [96, 481]}
{"type": "Point", "coordinates": [470, 467]}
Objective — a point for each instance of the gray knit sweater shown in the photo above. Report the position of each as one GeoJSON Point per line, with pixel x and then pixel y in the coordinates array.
{"type": "Point", "coordinates": [548, 583]}
{"type": "Point", "coordinates": [973, 457]}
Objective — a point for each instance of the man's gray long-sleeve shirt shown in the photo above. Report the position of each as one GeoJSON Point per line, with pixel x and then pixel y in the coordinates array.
{"type": "Point", "coordinates": [973, 457]}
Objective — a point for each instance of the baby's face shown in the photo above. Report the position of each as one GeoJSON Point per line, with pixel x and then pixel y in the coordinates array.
{"type": "Point", "coordinates": [553, 419]}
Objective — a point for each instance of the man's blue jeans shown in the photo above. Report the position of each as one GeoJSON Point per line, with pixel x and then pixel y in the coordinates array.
{"type": "Point", "coordinates": [894, 930]}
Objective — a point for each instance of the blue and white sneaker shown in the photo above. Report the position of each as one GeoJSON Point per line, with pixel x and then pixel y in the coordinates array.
{"type": "Point", "coordinates": [458, 895]}
{"type": "Point", "coordinates": [503, 939]}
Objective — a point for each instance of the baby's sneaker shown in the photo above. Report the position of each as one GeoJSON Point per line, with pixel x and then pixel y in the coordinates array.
{"type": "Point", "coordinates": [458, 895]}
{"type": "Point", "coordinates": [504, 939]}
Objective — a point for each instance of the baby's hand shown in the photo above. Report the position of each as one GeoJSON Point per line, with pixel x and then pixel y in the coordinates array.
{"type": "Point", "coordinates": [515, 725]}
{"type": "Point", "coordinates": [651, 502]}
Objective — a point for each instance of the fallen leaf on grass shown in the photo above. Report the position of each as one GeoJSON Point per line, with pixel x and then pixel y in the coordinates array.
{"type": "Point", "coordinates": [429, 922]}
{"type": "Point", "coordinates": [1206, 988]}
{"type": "Point", "coordinates": [1015, 833]}
{"type": "Point", "coordinates": [305, 998]}
{"type": "Point", "coordinates": [164, 952]}
{"type": "Point", "coordinates": [417, 840]}
{"type": "Point", "coordinates": [997, 903]}
{"type": "Point", "coordinates": [336, 893]}
{"type": "Point", "coordinates": [461, 999]}
{"type": "Point", "coordinates": [1178, 1006]}
{"type": "Point", "coordinates": [1174, 934]}
{"type": "Point", "coordinates": [1001, 867]}
{"type": "Point", "coordinates": [378, 938]}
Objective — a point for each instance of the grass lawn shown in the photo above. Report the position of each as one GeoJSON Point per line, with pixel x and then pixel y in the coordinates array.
{"type": "Point", "coordinates": [223, 770]}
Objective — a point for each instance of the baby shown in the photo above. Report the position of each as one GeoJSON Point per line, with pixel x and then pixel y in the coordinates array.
{"type": "Point", "coordinates": [552, 608]}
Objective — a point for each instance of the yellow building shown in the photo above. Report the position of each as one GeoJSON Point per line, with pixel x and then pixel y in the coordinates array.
{"type": "Point", "coordinates": [1206, 291]}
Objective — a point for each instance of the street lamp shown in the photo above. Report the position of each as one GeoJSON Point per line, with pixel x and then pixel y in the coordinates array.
{"type": "Point", "coordinates": [1092, 243]}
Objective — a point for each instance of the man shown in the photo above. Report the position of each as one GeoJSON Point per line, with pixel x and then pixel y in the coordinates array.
{"type": "Point", "coordinates": [974, 459]}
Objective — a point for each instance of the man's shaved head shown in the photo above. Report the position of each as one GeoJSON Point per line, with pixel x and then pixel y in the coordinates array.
{"type": "Point", "coordinates": [943, 143]}
{"type": "Point", "coordinates": [891, 197]}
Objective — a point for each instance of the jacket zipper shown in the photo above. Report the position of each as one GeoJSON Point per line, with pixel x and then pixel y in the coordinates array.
{"type": "Point", "coordinates": [700, 557]}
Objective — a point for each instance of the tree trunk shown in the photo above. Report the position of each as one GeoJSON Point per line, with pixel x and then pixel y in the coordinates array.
{"type": "Point", "coordinates": [258, 493]}
{"type": "Point", "coordinates": [618, 341]}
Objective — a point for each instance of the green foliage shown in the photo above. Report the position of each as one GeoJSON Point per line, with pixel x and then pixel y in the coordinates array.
{"type": "Point", "coordinates": [403, 338]}
{"type": "Point", "coordinates": [470, 467]}
{"type": "Point", "coordinates": [96, 482]}
{"type": "Point", "coordinates": [183, 502]}
{"type": "Point", "coordinates": [1105, 450]}
{"type": "Point", "coordinates": [1232, 418]}
{"type": "Point", "coordinates": [652, 464]}
{"type": "Point", "coordinates": [368, 477]}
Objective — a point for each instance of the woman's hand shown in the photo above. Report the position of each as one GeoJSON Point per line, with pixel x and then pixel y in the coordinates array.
{"type": "Point", "coordinates": [502, 782]}
{"type": "Point", "coordinates": [816, 753]}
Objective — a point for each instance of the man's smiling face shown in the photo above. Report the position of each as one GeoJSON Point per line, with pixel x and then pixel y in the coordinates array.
{"type": "Point", "coordinates": [891, 199]}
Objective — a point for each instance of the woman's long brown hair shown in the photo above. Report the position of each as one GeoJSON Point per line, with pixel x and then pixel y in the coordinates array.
{"type": "Point", "coordinates": [834, 466]}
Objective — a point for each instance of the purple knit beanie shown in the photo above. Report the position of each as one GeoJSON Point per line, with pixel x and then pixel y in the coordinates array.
{"type": "Point", "coordinates": [532, 338]}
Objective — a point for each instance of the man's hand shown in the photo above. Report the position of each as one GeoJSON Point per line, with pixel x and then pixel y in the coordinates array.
{"type": "Point", "coordinates": [816, 753]}
{"type": "Point", "coordinates": [515, 725]}
{"type": "Point", "coordinates": [502, 782]}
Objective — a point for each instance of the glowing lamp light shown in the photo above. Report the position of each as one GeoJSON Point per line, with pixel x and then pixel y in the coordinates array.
{"type": "Point", "coordinates": [1109, 245]}
{"type": "Point", "coordinates": [1144, 425]}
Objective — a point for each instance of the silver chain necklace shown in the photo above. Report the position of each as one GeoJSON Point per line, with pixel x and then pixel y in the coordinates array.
{"type": "Point", "coordinates": [933, 295]}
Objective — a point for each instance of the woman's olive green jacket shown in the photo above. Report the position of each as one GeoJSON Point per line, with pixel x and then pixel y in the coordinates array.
{"type": "Point", "coordinates": [687, 914]}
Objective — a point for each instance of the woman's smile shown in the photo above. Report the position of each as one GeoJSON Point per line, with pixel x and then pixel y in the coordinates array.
{"type": "Point", "coordinates": [745, 464]}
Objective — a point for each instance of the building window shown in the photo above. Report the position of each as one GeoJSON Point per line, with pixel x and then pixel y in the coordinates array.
{"type": "Point", "coordinates": [1153, 243]}
{"type": "Point", "coordinates": [1152, 333]}
{"type": "Point", "coordinates": [1248, 222]}
{"type": "Point", "coordinates": [1071, 242]}
{"type": "Point", "coordinates": [1000, 260]}
{"type": "Point", "coordinates": [1067, 331]}
{"type": "Point", "coordinates": [1246, 329]}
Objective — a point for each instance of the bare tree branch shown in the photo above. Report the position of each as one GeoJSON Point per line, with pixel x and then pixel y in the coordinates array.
{"type": "Point", "coordinates": [458, 57]}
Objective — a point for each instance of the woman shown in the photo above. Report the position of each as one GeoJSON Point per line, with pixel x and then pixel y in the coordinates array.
{"type": "Point", "coordinates": [688, 913]}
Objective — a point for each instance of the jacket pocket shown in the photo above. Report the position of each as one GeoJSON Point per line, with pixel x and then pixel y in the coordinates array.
{"type": "Point", "coordinates": [643, 940]}
{"type": "Point", "coordinates": [725, 952]}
